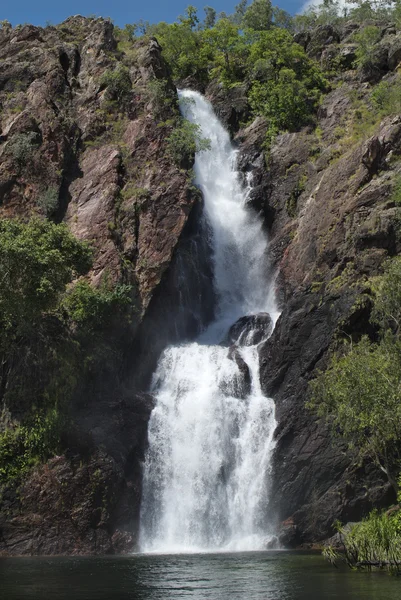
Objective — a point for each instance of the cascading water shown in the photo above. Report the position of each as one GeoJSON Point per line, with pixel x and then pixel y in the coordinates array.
{"type": "Point", "coordinates": [206, 476]}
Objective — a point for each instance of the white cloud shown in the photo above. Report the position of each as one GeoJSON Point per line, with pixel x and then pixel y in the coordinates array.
{"type": "Point", "coordinates": [341, 3]}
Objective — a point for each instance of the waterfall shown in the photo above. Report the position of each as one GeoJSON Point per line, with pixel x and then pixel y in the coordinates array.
{"type": "Point", "coordinates": [207, 468]}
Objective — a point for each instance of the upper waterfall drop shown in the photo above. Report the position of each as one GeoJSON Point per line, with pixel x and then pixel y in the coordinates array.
{"type": "Point", "coordinates": [206, 475]}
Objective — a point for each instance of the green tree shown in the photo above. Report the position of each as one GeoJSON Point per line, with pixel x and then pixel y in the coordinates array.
{"type": "Point", "coordinates": [228, 49]}
{"type": "Point", "coordinates": [37, 260]}
{"type": "Point", "coordinates": [286, 83]}
{"type": "Point", "coordinates": [182, 49]}
{"type": "Point", "coordinates": [118, 84]}
{"type": "Point", "coordinates": [191, 17]}
{"type": "Point", "coordinates": [239, 13]}
{"type": "Point", "coordinates": [366, 50]}
{"type": "Point", "coordinates": [258, 16]}
{"type": "Point", "coordinates": [92, 308]}
{"type": "Point", "coordinates": [210, 18]}
{"type": "Point", "coordinates": [37, 356]}
{"type": "Point", "coordinates": [360, 395]}
{"type": "Point", "coordinates": [281, 18]}
{"type": "Point", "coordinates": [387, 288]}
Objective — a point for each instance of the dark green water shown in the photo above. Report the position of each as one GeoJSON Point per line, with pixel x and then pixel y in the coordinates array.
{"type": "Point", "coordinates": [249, 576]}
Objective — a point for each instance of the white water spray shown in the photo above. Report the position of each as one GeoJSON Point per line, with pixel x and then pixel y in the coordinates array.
{"type": "Point", "coordinates": [206, 476]}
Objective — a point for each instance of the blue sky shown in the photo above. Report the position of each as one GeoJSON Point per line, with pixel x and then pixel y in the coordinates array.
{"type": "Point", "coordinates": [121, 11]}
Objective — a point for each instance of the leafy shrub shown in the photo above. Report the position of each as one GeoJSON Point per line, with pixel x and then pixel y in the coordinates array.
{"type": "Point", "coordinates": [287, 85]}
{"type": "Point", "coordinates": [374, 542]}
{"type": "Point", "coordinates": [387, 289]}
{"type": "Point", "coordinates": [360, 392]}
{"type": "Point", "coordinates": [49, 337]}
{"type": "Point", "coordinates": [22, 146]}
{"type": "Point", "coordinates": [48, 201]}
{"type": "Point", "coordinates": [118, 84]}
{"type": "Point", "coordinates": [366, 50]}
{"type": "Point", "coordinates": [92, 308]}
{"type": "Point", "coordinates": [24, 446]}
{"type": "Point", "coordinates": [37, 260]}
{"type": "Point", "coordinates": [386, 97]}
{"type": "Point", "coordinates": [184, 141]}
{"type": "Point", "coordinates": [377, 539]}
{"type": "Point", "coordinates": [161, 95]}
{"type": "Point", "coordinates": [359, 395]}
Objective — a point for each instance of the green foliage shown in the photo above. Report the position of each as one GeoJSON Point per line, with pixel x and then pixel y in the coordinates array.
{"type": "Point", "coordinates": [326, 13]}
{"type": "Point", "coordinates": [24, 446]}
{"type": "Point", "coordinates": [287, 84]}
{"type": "Point", "coordinates": [92, 308]}
{"type": "Point", "coordinates": [258, 15]}
{"type": "Point", "coordinates": [240, 11]}
{"type": "Point", "coordinates": [52, 338]}
{"type": "Point", "coordinates": [48, 201]}
{"type": "Point", "coordinates": [386, 97]}
{"type": "Point", "coordinates": [22, 146]}
{"type": "Point", "coordinates": [396, 192]}
{"type": "Point", "coordinates": [387, 289]}
{"type": "Point", "coordinates": [284, 84]}
{"type": "Point", "coordinates": [182, 49]}
{"type": "Point", "coordinates": [184, 141]}
{"type": "Point", "coordinates": [190, 18]}
{"type": "Point", "coordinates": [161, 95]}
{"type": "Point", "coordinates": [118, 84]}
{"type": "Point", "coordinates": [283, 19]}
{"type": "Point", "coordinates": [366, 50]}
{"type": "Point", "coordinates": [210, 17]}
{"type": "Point", "coordinates": [227, 50]}
{"type": "Point", "coordinates": [37, 260]}
{"type": "Point", "coordinates": [374, 542]}
{"type": "Point", "coordinates": [360, 392]}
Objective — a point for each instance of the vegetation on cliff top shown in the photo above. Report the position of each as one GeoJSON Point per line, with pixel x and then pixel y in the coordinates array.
{"type": "Point", "coordinates": [254, 47]}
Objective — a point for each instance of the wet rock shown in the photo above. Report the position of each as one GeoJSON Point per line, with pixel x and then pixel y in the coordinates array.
{"type": "Point", "coordinates": [230, 104]}
{"type": "Point", "coordinates": [240, 386]}
{"type": "Point", "coordinates": [250, 330]}
{"type": "Point", "coordinates": [287, 534]}
{"type": "Point", "coordinates": [342, 230]}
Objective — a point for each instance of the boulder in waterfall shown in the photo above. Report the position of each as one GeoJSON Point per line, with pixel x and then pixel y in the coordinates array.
{"type": "Point", "coordinates": [240, 385]}
{"type": "Point", "coordinates": [250, 330]}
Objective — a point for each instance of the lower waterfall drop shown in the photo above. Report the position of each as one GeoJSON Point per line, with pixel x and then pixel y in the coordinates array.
{"type": "Point", "coordinates": [207, 468]}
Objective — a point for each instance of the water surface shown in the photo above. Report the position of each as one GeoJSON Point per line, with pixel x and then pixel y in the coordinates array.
{"type": "Point", "coordinates": [245, 576]}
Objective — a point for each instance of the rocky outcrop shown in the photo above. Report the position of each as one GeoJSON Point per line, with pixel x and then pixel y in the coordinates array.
{"type": "Point", "coordinates": [250, 330]}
